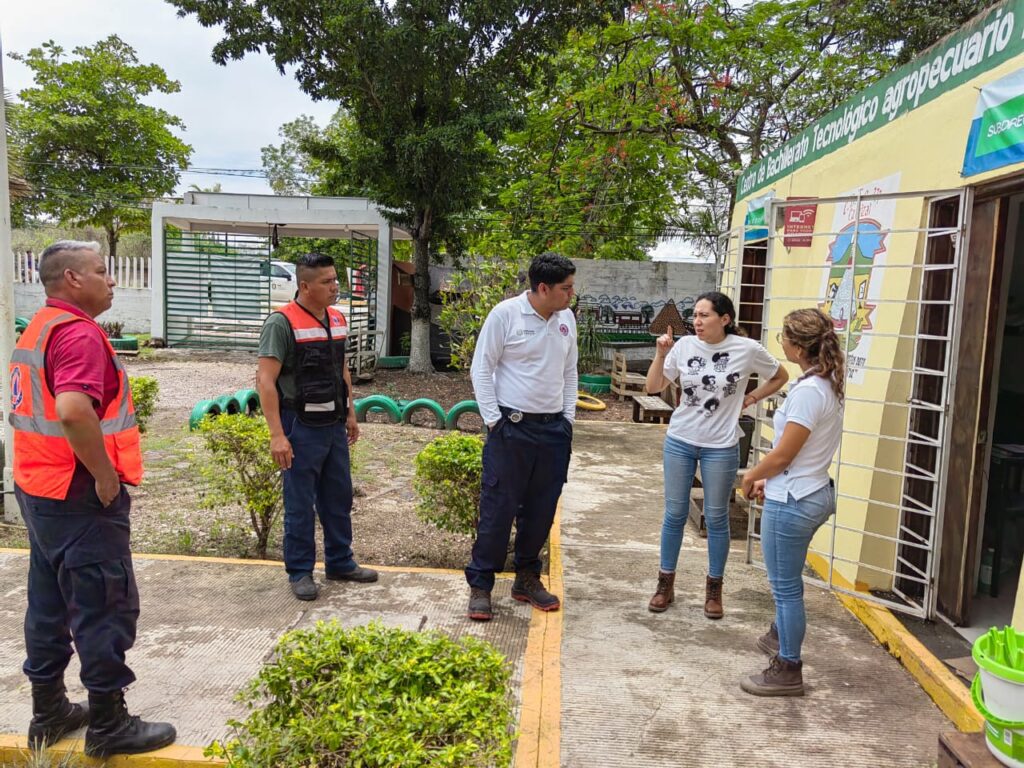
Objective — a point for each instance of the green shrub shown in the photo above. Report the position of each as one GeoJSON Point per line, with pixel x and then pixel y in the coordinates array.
{"type": "Point", "coordinates": [447, 481]}
{"type": "Point", "coordinates": [145, 390]}
{"type": "Point", "coordinates": [239, 469]}
{"type": "Point", "coordinates": [375, 697]}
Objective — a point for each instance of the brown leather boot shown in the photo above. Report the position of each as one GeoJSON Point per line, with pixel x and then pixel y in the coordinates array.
{"type": "Point", "coordinates": [769, 641]}
{"type": "Point", "coordinates": [665, 594]}
{"type": "Point", "coordinates": [713, 598]}
{"type": "Point", "coordinates": [782, 678]}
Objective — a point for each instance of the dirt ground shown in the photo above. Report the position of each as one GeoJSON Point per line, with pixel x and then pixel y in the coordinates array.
{"type": "Point", "coordinates": [168, 512]}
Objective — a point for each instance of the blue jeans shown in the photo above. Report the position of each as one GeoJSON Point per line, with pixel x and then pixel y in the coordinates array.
{"type": "Point", "coordinates": [718, 474]}
{"type": "Point", "coordinates": [319, 483]}
{"type": "Point", "coordinates": [786, 532]}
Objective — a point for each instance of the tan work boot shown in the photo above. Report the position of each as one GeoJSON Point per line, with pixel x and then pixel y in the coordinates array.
{"type": "Point", "coordinates": [713, 598]}
{"type": "Point", "coordinates": [769, 641]}
{"type": "Point", "coordinates": [781, 678]}
{"type": "Point", "coordinates": [665, 594]}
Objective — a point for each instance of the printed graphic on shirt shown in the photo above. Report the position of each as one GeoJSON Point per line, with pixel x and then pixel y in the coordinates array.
{"type": "Point", "coordinates": [709, 383]}
{"type": "Point", "coordinates": [710, 406]}
{"type": "Point", "coordinates": [695, 365]}
{"type": "Point", "coordinates": [730, 384]}
{"type": "Point", "coordinates": [720, 359]}
{"type": "Point", "coordinates": [690, 393]}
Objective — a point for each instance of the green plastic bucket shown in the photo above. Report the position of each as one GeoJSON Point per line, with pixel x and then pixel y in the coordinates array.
{"type": "Point", "coordinates": [998, 692]}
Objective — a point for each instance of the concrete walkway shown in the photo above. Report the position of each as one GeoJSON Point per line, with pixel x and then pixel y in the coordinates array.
{"type": "Point", "coordinates": [643, 689]}
{"type": "Point", "coordinates": [601, 683]}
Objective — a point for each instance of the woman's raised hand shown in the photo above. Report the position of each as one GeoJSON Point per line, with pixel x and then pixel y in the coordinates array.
{"type": "Point", "coordinates": [665, 342]}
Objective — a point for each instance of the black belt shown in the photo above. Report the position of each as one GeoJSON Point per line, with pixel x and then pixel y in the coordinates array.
{"type": "Point", "coordinates": [516, 416]}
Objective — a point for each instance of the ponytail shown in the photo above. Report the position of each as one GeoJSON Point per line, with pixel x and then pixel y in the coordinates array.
{"type": "Point", "coordinates": [812, 331]}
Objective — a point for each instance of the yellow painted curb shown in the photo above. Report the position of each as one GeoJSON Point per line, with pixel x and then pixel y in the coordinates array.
{"type": "Point", "coordinates": [275, 563]}
{"type": "Point", "coordinates": [540, 720]}
{"type": "Point", "coordinates": [945, 689]}
{"type": "Point", "coordinates": [14, 749]}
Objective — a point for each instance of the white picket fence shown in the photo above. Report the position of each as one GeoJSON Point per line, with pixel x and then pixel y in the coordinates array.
{"type": "Point", "coordinates": [128, 272]}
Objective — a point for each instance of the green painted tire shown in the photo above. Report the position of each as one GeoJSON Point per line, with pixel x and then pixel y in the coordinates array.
{"type": "Point", "coordinates": [229, 404]}
{"type": "Point", "coordinates": [393, 361]}
{"type": "Point", "coordinates": [200, 411]}
{"type": "Point", "coordinates": [249, 399]}
{"type": "Point", "coordinates": [466, 406]}
{"type": "Point", "coordinates": [595, 384]}
{"type": "Point", "coordinates": [381, 403]}
{"type": "Point", "coordinates": [20, 324]}
{"type": "Point", "coordinates": [424, 404]}
{"type": "Point", "coordinates": [125, 344]}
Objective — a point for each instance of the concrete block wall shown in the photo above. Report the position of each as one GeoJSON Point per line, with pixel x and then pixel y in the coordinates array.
{"type": "Point", "coordinates": [132, 306]}
{"type": "Point", "coordinates": [628, 285]}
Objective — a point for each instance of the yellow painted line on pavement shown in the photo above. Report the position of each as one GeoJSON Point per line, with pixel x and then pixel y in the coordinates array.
{"type": "Point", "coordinates": [14, 749]}
{"type": "Point", "coordinates": [945, 689]}
{"type": "Point", "coordinates": [540, 719]}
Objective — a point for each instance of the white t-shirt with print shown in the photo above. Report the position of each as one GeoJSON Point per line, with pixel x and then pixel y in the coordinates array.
{"type": "Point", "coordinates": [812, 403]}
{"type": "Point", "coordinates": [713, 381]}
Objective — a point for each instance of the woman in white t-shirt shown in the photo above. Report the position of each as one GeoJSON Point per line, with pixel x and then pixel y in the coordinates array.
{"type": "Point", "coordinates": [712, 368]}
{"type": "Point", "coordinates": [797, 491]}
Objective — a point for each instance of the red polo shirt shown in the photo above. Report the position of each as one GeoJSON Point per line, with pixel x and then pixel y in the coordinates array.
{"type": "Point", "coordinates": [77, 360]}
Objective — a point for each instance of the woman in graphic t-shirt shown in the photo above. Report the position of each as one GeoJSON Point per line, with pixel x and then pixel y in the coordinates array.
{"type": "Point", "coordinates": [799, 495]}
{"type": "Point", "coordinates": [712, 369]}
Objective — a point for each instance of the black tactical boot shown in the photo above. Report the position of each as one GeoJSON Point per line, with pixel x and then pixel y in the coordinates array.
{"type": "Point", "coordinates": [112, 731]}
{"type": "Point", "coordinates": [53, 716]}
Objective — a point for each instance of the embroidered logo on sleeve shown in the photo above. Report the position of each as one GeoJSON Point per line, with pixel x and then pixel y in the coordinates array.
{"type": "Point", "coordinates": [17, 392]}
{"type": "Point", "coordinates": [563, 329]}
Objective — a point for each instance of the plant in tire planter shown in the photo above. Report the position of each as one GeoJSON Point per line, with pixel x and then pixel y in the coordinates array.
{"type": "Point", "coordinates": [376, 697]}
{"type": "Point", "coordinates": [590, 360]}
{"type": "Point", "coordinates": [239, 470]}
{"type": "Point", "coordinates": [447, 482]}
{"type": "Point", "coordinates": [118, 340]}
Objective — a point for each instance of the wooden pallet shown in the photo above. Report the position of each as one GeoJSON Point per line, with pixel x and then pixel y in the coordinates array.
{"type": "Point", "coordinates": [624, 383]}
{"type": "Point", "coordinates": [965, 750]}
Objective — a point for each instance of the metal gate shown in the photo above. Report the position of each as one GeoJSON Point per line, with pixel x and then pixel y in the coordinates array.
{"type": "Point", "coordinates": [216, 289]}
{"type": "Point", "coordinates": [892, 293]}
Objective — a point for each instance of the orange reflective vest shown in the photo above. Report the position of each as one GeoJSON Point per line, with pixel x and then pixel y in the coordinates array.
{"type": "Point", "coordinates": [321, 396]}
{"type": "Point", "coordinates": [43, 460]}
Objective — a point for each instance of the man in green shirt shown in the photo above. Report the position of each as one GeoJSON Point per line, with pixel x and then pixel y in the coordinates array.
{"type": "Point", "coordinates": [306, 394]}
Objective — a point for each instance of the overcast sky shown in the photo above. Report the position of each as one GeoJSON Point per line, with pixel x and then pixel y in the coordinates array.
{"type": "Point", "coordinates": [229, 112]}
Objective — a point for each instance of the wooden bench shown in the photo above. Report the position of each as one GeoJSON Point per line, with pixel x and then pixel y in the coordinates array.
{"type": "Point", "coordinates": [649, 409]}
{"type": "Point", "coordinates": [624, 383]}
{"type": "Point", "coordinates": [965, 750]}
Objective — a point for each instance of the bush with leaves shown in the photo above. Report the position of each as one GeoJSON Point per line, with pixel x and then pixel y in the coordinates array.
{"type": "Point", "coordinates": [239, 470]}
{"type": "Point", "coordinates": [447, 481]}
{"type": "Point", "coordinates": [113, 328]}
{"type": "Point", "coordinates": [476, 290]}
{"type": "Point", "coordinates": [145, 390]}
{"type": "Point", "coordinates": [375, 697]}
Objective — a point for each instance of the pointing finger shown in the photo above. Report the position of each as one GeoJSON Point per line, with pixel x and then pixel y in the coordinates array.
{"type": "Point", "coordinates": [669, 332]}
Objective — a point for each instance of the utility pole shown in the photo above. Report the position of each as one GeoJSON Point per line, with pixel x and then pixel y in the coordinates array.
{"type": "Point", "coordinates": [11, 513]}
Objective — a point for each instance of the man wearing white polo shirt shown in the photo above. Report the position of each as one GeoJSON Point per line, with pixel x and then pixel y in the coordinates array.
{"type": "Point", "coordinates": [524, 377]}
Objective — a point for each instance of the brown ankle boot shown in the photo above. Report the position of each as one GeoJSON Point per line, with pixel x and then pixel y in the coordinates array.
{"type": "Point", "coordinates": [665, 594]}
{"type": "Point", "coordinates": [782, 678]}
{"type": "Point", "coordinates": [713, 598]}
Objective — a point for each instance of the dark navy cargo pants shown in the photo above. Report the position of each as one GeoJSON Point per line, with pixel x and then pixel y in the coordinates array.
{"type": "Point", "coordinates": [524, 468]}
{"type": "Point", "coordinates": [319, 484]}
{"type": "Point", "coordinates": [81, 586]}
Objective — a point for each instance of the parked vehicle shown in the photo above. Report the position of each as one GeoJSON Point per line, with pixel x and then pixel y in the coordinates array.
{"type": "Point", "coordinates": [282, 281]}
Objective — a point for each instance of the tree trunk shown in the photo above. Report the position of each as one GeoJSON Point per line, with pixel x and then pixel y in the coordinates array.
{"type": "Point", "coordinates": [419, 351]}
{"type": "Point", "coordinates": [112, 237]}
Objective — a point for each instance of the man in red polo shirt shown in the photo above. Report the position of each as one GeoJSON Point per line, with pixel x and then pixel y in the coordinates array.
{"type": "Point", "coordinates": [74, 444]}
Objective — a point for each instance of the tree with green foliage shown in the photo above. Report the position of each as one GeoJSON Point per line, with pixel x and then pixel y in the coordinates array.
{"type": "Point", "coordinates": [92, 151]}
{"type": "Point", "coordinates": [429, 84]}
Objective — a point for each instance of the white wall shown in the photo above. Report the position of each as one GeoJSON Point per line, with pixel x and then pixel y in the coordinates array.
{"type": "Point", "coordinates": [630, 284]}
{"type": "Point", "coordinates": [132, 306]}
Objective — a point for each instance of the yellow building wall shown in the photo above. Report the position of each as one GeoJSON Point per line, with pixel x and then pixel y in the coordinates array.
{"type": "Point", "coordinates": [926, 148]}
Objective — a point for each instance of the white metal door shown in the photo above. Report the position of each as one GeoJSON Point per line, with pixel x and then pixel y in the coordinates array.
{"type": "Point", "coordinates": [892, 291]}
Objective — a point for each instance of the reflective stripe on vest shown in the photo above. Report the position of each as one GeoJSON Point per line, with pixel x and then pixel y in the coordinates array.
{"type": "Point", "coordinates": [306, 327]}
{"type": "Point", "coordinates": [44, 462]}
